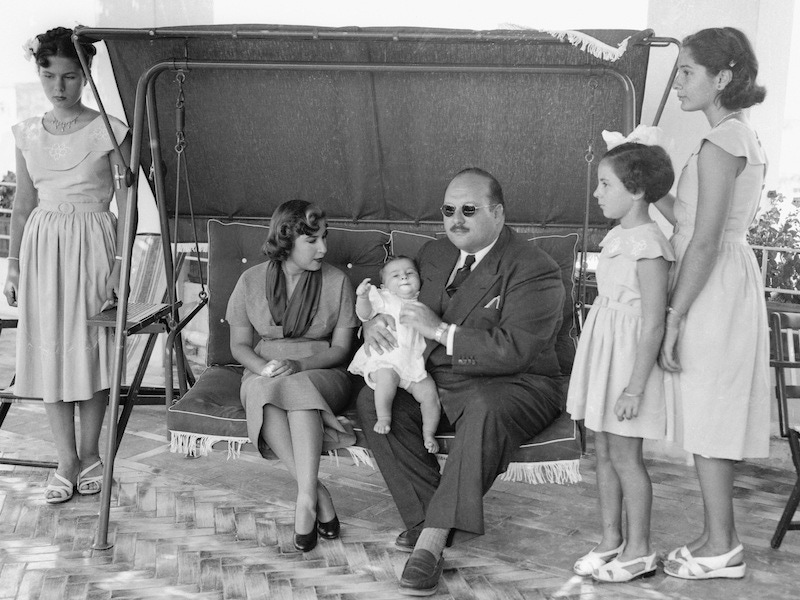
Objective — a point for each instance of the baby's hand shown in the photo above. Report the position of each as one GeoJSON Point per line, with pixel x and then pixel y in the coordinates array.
{"type": "Point", "coordinates": [363, 288]}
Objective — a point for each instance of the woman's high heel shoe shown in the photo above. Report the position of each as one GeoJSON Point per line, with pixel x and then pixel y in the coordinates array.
{"type": "Point", "coordinates": [305, 542]}
{"type": "Point", "coordinates": [329, 530]}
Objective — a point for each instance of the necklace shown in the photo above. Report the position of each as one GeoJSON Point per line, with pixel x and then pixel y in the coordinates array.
{"type": "Point", "coordinates": [726, 117]}
{"type": "Point", "coordinates": [62, 126]}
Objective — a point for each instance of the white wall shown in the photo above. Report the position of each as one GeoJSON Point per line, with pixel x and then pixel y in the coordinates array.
{"type": "Point", "coordinates": [768, 24]}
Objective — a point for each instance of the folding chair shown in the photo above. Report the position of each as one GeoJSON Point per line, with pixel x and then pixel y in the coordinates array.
{"type": "Point", "coordinates": [786, 350]}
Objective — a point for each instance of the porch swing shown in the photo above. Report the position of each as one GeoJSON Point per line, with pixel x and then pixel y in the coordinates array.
{"type": "Point", "coordinates": [370, 124]}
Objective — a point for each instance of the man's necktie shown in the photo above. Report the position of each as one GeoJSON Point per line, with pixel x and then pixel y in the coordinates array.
{"type": "Point", "coordinates": [461, 275]}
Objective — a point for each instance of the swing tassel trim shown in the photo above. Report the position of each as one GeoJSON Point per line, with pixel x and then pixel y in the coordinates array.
{"type": "Point", "coordinates": [557, 471]}
{"type": "Point", "coordinates": [195, 445]}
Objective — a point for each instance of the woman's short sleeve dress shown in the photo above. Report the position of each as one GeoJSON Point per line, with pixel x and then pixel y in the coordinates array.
{"type": "Point", "coordinates": [608, 343]}
{"type": "Point", "coordinates": [66, 258]}
{"type": "Point", "coordinates": [722, 392]}
{"type": "Point", "coordinates": [406, 359]}
{"type": "Point", "coordinates": [326, 390]}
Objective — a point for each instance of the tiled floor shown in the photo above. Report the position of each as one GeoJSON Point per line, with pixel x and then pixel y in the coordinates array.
{"type": "Point", "coordinates": [213, 528]}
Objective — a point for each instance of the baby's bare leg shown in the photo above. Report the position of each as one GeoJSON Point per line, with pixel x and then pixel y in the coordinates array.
{"type": "Point", "coordinates": [386, 381]}
{"type": "Point", "coordinates": [425, 393]}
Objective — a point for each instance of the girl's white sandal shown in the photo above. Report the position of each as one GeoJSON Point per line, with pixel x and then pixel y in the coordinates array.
{"type": "Point", "coordinates": [88, 486]}
{"type": "Point", "coordinates": [61, 493]}
{"type": "Point", "coordinates": [706, 567]}
{"type": "Point", "coordinates": [618, 572]}
{"type": "Point", "coordinates": [679, 553]}
{"type": "Point", "coordinates": [588, 563]}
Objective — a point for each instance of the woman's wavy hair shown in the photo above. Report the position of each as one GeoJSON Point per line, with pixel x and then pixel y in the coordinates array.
{"type": "Point", "coordinates": [289, 221]}
{"type": "Point", "coordinates": [642, 168]}
{"type": "Point", "coordinates": [58, 42]}
{"type": "Point", "coordinates": [721, 48]}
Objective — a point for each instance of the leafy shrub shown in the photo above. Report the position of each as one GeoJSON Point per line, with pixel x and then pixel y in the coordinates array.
{"type": "Point", "coordinates": [778, 226]}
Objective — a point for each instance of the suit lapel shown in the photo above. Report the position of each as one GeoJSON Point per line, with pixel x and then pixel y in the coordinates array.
{"type": "Point", "coordinates": [480, 281]}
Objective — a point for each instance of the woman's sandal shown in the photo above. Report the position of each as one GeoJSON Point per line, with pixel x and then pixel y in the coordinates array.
{"type": "Point", "coordinates": [62, 493]}
{"type": "Point", "coordinates": [590, 562]}
{"type": "Point", "coordinates": [87, 486]}
{"type": "Point", "coordinates": [679, 553]}
{"type": "Point", "coordinates": [618, 572]}
{"type": "Point", "coordinates": [706, 567]}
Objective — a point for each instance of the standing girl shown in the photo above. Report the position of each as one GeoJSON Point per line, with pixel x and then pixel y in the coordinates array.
{"type": "Point", "coordinates": [616, 385]}
{"type": "Point", "coordinates": [64, 260]}
{"type": "Point", "coordinates": [716, 340]}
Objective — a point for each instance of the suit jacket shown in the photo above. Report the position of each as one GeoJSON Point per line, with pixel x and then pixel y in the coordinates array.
{"type": "Point", "coordinates": [508, 313]}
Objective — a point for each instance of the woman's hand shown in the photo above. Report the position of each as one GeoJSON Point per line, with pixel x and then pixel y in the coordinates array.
{"type": "Point", "coordinates": [627, 406]}
{"type": "Point", "coordinates": [668, 359]}
{"type": "Point", "coordinates": [278, 367]}
{"type": "Point", "coordinates": [12, 283]}
{"type": "Point", "coordinates": [378, 334]}
{"type": "Point", "coordinates": [112, 284]}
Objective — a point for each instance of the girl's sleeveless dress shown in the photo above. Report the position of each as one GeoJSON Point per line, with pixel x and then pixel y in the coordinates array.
{"type": "Point", "coordinates": [722, 392]}
{"type": "Point", "coordinates": [405, 360]}
{"type": "Point", "coordinates": [609, 340]}
{"type": "Point", "coordinates": [66, 258]}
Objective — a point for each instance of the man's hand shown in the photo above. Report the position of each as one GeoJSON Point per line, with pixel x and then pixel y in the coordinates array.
{"type": "Point", "coordinates": [378, 334]}
{"type": "Point", "coordinates": [421, 318]}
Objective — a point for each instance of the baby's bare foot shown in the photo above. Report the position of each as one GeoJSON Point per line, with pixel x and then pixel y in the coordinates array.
{"type": "Point", "coordinates": [431, 445]}
{"type": "Point", "coordinates": [383, 426]}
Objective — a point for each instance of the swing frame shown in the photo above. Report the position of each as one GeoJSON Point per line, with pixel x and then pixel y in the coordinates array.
{"type": "Point", "coordinates": [145, 116]}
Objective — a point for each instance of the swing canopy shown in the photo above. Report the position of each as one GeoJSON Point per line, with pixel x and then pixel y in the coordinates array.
{"type": "Point", "coordinates": [372, 123]}
{"type": "Point", "coordinates": [231, 121]}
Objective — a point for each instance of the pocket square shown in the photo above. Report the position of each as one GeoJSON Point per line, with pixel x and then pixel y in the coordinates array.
{"type": "Point", "coordinates": [493, 303]}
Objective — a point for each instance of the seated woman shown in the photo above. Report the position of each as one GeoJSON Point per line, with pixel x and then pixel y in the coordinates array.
{"type": "Point", "coordinates": [292, 321]}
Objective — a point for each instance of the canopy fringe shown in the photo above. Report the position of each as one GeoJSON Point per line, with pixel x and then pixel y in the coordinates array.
{"type": "Point", "coordinates": [591, 45]}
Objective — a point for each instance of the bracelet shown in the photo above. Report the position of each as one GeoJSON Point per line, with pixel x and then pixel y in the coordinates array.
{"type": "Point", "coordinates": [117, 257]}
{"type": "Point", "coordinates": [16, 258]}
{"type": "Point", "coordinates": [440, 331]}
{"type": "Point", "coordinates": [627, 393]}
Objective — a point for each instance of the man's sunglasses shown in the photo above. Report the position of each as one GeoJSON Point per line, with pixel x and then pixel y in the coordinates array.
{"type": "Point", "coordinates": [468, 210]}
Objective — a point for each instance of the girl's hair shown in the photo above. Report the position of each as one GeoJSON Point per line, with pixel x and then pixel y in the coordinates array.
{"type": "Point", "coordinates": [394, 258]}
{"type": "Point", "coordinates": [642, 168]}
{"type": "Point", "coordinates": [289, 221]}
{"type": "Point", "coordinates": [722, 48]}
{"type": "Point", "coordinates": [58, 42]}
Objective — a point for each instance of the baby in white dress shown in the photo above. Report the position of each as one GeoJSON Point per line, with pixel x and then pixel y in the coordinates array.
{"type": "Point", "coordinates": [404, 366]}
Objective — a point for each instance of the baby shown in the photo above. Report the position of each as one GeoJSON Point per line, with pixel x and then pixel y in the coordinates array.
{"type": "Point", "coordinates": [404, 365]}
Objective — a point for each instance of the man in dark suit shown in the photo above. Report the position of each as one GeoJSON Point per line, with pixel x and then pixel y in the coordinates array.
{"type": "Point", "coordinates": [490, 306]}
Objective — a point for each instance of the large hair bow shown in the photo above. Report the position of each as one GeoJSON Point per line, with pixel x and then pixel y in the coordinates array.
{"type": "Point", "coordinates": [643, 134]}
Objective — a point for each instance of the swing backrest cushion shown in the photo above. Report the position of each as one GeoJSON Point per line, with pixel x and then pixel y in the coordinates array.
{"type": "Point", "coordinates": [235, 247]}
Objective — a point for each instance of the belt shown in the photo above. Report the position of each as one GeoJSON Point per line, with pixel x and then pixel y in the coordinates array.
{"type": "Point", "coordinates": [614, 305]}
{"type": "Point", "coordinates": [72, 207]}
